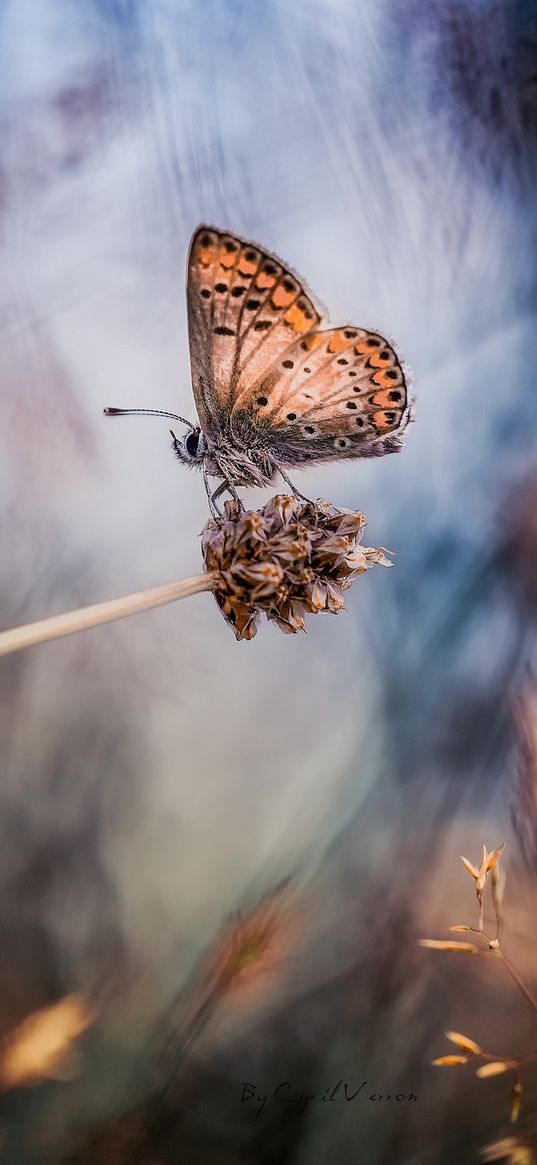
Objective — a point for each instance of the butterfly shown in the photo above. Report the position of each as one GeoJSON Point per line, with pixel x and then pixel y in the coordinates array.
{"type": "Point", "coordinates": [274, 389]}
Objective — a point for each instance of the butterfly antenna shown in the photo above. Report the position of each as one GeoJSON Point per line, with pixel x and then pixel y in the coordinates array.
{"type": "Point", "coordinates": [110, 412]}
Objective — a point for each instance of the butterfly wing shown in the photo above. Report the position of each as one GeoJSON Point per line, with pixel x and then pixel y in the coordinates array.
{"type": "Point", "coordinates": [336, 393]}
{"type": "Point", "coordinates": [245, 309]}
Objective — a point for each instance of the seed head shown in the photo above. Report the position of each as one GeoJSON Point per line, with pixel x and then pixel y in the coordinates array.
{"type": "Point", "coordinates": [285, 560]}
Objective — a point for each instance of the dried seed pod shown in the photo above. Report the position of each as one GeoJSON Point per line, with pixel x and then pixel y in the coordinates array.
{"type": "Point", "coordinates": [449, 1061]}
{"type": "Point", "coordinates": [464, 1043]}
{"type": "Point", "coordinates": [493, 1068]}
{"type": "Point", "coordinates": [516, 1101]}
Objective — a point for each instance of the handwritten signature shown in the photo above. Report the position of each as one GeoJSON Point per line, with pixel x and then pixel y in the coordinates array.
{"type": "Point", "coordinates": [286, 1093]}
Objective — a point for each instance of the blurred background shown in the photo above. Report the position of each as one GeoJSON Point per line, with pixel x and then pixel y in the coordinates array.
{"type": "Point", "coordinates": [223, 854]}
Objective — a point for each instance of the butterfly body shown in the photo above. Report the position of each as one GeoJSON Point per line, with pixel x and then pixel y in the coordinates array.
{"type": "Point", "coordinates": [226, 459]}
{"type": "Point", "coordinates": [273, 388]}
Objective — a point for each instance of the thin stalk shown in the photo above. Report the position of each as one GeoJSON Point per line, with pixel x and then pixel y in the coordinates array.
{"type": "Point", "coordinates": [86, 617]}
{"type": "Point", "coordinates": [519, 982]}
{"type": "Point", "coordinates": [498, 952]}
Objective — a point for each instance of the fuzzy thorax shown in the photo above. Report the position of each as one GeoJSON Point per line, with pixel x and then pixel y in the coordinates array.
{"type": "Point", "coordinates": [243, 467]}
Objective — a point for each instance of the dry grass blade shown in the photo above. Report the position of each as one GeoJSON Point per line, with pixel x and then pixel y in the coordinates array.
{"type": "Point", "coordinates": [524, 809]}
{"type": "Point", "coordinates": [437, 944]}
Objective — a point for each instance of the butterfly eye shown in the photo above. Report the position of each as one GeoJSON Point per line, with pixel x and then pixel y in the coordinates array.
{"type": "Point", "coordinates": [192, 442]}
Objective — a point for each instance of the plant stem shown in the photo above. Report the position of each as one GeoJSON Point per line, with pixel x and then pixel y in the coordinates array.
{"type": "Point", "coordinates": [94, 616]}
{"type": "Point", "coordinates": [509, 967]}
{"type": "Point", "coordinates": [519, 982]}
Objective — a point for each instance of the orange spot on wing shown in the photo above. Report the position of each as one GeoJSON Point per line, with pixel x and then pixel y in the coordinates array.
{"type": "Point", "coordinates": [206, 256]}
{"type": "Point", "coordinates": [362, 348]}
{"type": "Point", "coordinates": [298, 321]}
{"type": "Point", "coordinates": [263, 280]}
{"type": "Point", "coordinates": [227, 259]}
{"type": "Point", "coordinates": [383, 380]}
{"type": "Point", "coordinates": [282, 298]}
{"type": "Point", "coordinates": [309, 342]}
{"type": "Point", "coordinates": [376, 361]}
{"type": "Point", "coordinates": [247, 267]}
{"type": "Point", "coordinates": [381, 423]}
{"type": "Point", "coordinates": [337, 342]}
{"type": "Point", "coordinates": [383, 399]}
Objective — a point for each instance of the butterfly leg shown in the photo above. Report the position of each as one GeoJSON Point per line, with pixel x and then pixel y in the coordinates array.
{"type": "Point", "coordinates": [227, 485]}
{"type": "Point", "coordinates": [214, 509]}
{"type": "Point", "coordinates": [295, 491]}
{"type": "Point", "coordinates": [213, 497]}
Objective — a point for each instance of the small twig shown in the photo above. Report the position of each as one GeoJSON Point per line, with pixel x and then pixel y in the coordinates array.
{"type": "Point", "coordinates": [94, 616]}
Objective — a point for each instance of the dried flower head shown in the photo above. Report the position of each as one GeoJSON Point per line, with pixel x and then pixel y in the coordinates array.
{"type": "Point", "coordinates": [287, 559]}
{"type": "Point", "coordinates": [480, 874]}
{"type": "Point", "coordinates": [252, 944]}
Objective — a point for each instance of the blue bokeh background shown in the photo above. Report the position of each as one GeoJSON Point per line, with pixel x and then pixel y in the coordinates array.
{"type": "Point", "coordinates": [158, 775]}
